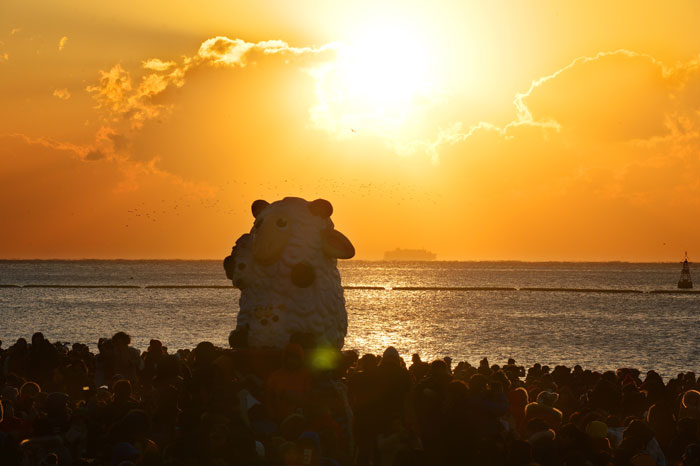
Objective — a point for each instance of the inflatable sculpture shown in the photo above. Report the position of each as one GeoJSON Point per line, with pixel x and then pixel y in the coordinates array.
{"type": "Point", "coordinates": [286, 269]}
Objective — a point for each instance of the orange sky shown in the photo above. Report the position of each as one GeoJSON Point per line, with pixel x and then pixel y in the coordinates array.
{"type": "Point", "coordinates": [478, 130]}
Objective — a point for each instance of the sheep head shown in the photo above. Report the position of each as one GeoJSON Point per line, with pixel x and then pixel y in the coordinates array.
{"type": "Point", "coordinates": [275, 222]}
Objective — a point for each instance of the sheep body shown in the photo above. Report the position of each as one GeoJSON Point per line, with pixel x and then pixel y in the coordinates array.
{"type": "Point", "coordinates": [289, 281]}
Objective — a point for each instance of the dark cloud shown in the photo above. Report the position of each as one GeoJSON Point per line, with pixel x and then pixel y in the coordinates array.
{"type": "Point", "coordinates": [94, 155]}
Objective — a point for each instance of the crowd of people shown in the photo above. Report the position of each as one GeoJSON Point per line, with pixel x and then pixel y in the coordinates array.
{"type": "Point", "coordinates": [62, 404]}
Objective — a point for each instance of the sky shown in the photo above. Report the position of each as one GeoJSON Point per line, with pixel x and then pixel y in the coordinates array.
{"type": "Point", "coordinates": [537, 131]}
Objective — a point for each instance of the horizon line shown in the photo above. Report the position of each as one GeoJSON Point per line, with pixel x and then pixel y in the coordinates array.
{"type": "Point", "coordinates": [549, 261]}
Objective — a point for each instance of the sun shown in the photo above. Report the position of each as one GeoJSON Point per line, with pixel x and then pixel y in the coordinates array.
{"type": "Point", "coordinates": [380, 77]}
{"type": "Point", "coordinates": [386, 64]}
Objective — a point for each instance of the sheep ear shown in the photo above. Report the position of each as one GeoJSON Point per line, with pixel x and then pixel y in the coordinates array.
{"type": "Point", "coordinates": [321, 208]}
{"type": "Point", "coordinates": [258, 206]}
{"type": "Point", "coordinates": [336, 244]}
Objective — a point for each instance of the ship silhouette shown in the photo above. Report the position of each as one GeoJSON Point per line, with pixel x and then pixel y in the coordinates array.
{"type": "Point", "coordinates": [409, 255]}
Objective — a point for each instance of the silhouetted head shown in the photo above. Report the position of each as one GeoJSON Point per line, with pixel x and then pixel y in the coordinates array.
{"type": "Point", "coordinates": [37, 339]}
{"type": "Point", "coordinates": [547, 398]}
{"type": "Point", "coordinates": [457, 391]}
{"type": "Point", "coordinates": [20, 344]}
{"type": "Point", "coordinates": [477, 384]}
{"type": "Point", "coordinates": [391, 356]}
{"type": "Point", "coordinates": [121, 339]}
{"type": "Point", "coordinates": [205, 352]}
{"type": "Point", "coordinates": [122, 390]}
{"type": "Point", "coordinates": [691, 399]}
{"type": "Point", "coordinates": [638, 430]}
{"type": "Point", "coordinates": [155, 346]}
{"type": "Point", "coordinates": [29, 389]}
{"type": "Point", "coordinates": [518, 398]}
{"type": "Point", "coordinates": [366, 362]}
{"type": "Point", "coordinates": [438, 368]}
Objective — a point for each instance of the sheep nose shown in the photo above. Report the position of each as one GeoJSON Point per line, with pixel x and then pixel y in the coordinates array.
{"type": "Point", "coordinates": [303, 275]}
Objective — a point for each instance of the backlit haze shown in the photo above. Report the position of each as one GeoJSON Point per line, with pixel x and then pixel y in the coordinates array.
{"type": "Point", "coordinates": [479, 131]}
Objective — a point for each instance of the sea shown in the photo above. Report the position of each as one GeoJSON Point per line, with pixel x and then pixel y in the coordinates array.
{"type": "Point", "coordinates": [602, 316]}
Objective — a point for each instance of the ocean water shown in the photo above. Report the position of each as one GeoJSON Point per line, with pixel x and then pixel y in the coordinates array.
{"type": "Point", "coordinates": [599, 330]}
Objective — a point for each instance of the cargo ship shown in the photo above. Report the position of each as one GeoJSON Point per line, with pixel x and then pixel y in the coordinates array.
{"type": "Point", "coordinates": [412, 255]}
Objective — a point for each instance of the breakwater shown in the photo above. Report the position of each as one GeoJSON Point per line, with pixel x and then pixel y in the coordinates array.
{"type": "Point", "coordinates": [381, 288]}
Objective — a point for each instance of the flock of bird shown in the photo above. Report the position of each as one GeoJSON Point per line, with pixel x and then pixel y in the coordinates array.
{"type": "Point", "coordinates": [234, 197]}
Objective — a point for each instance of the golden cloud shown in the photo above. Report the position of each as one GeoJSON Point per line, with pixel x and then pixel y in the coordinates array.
{"type": "Point", "coordinates": [122, 99]}
{"type": "Point", "coordinates": [62, 94]}
{"type": "Point", "coordinates": [237, 52]}
{"type": "Point", "coordinates": [155, 64]}
{"type": "Point", "coordinates": [618, 94]}
{"type": "Point", "coordinates": [62, 43]}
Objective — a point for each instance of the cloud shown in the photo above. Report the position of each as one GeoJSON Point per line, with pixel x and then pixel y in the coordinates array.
{"type": "Point", "coordinates": [524, 113]}
{"type": "Point", "coordinates": [58, 205]}
{"type": "Point", "coordinates": [122, 99]}
{"type": "Point", "coordinates": [238, 53]}
{"type": "Point", "coordinates": [225, 51]}
{"type": "Point", "coordinates": [607, 144]}
{"type": "Point", "coordinates": [75, 149]}
{"type": "Point", "coordinates": [107, 145]}
{"type": "Point", "coordinates": [93, 155]}
{"type": "Point", "coordinates": [99, 151]}
{"type": "Point", "coordinates": [62, 94]}
{"type": "Point", "coordinates": [617, 95]}
{"type": "Point", "coordinates": [620, 94]}
{"type": "Point", "coordinates": [62, 43]}
{"type": "Point", "coordinates": [155, 64]}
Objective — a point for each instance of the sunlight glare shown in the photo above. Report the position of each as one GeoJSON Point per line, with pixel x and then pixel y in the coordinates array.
{"type": "Point", "coordinates": [380, 77]}
{"type": "Point", "coordinates": [388, 65]}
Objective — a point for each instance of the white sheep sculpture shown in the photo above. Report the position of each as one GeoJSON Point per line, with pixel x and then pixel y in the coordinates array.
{"type": "Point", "coordinates": [286, 269]}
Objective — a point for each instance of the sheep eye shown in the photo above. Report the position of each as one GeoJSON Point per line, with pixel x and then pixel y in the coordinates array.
{"type": "Point", "coordinates": [281, 222]}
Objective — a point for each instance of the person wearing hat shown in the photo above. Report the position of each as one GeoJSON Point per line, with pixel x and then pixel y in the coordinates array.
{"type": "Point", "coordinates": [690, 405]}
{"type": "Point", "coordinates": [543, 408]}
